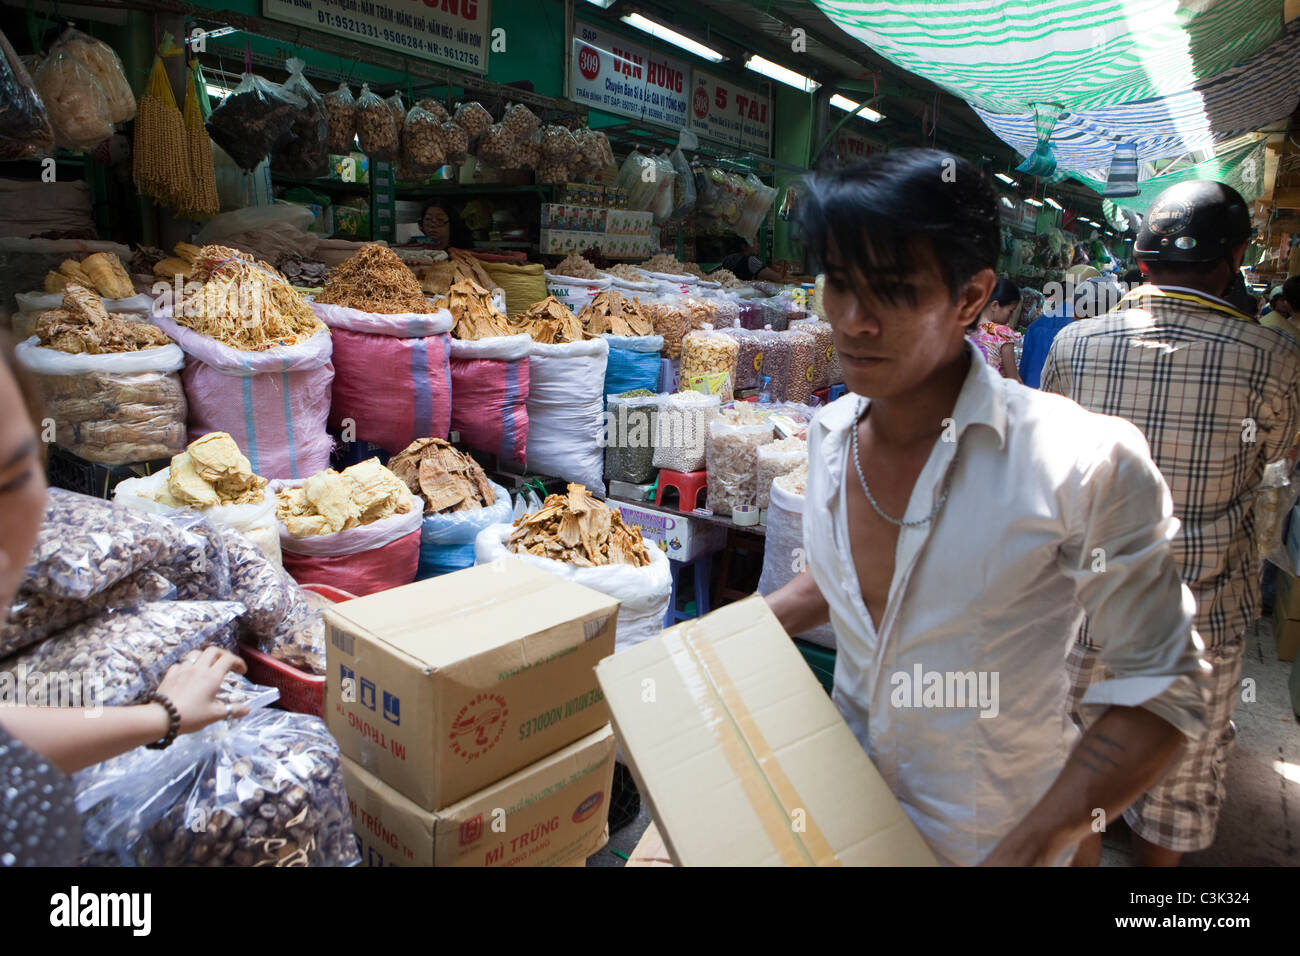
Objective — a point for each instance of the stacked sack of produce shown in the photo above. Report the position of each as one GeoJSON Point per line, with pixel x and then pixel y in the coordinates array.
{"type": "Point", "coordinates": [489, 375]}
{"type": "Point", "coordinates": [392, 377]}
{"type": "Point", "coordinates": [257, 362]}
{"type": "Point", "coordinates": [577, 537]}
{"type": "Point", "coordinates": [357, 530]}
{"type": "Point", "coordinates": [633, 347]}
{"type": "Point", "coordinates": [631, 420]}
{"type": "Point", "coordinates": [109, 384]}
{"type": "Point", "coordinates": [214, 478]}
{"type": "Point", "coordinates": [783, 553]}
{"type": "Point", "coordinates": [682, 429]}
{"type": "Point", "coordinates": [709, 362]}
{"type": "Point", "coordinates": [458, 501]}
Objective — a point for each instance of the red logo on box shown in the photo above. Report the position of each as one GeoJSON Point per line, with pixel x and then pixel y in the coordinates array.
{"type": "Point", "coordinates": [471, 830]}
{"type": "Point", "coordinates": [479, 726]}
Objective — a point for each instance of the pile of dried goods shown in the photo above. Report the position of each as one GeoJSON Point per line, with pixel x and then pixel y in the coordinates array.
{"type": "Point", "coordinates": [302, 272]}
{"type": "Point", "coordinates": [84, 325]}
{"type": "Point", "coordinates": [211, 471]}
{"type": "Point", "coordinates": [374, 280]}
{"type": "Point", "coordinates": [549, 322]}
{"type": "Point", "coordinates": [580, 530]}
{"type": "Point", "coordinates": [577, 267]}
{"type": "Point", "coordinates": [102, 272]}
{"type": "Point", "coordinates": [728, 278]}
{"type": "Point", "coordinates": [245, 304]}
{"type": "Point", "coordinates": [626, 272]}
{"type": "Point", "coordinates": [474, 316]}
{"type": "Point", "coordinates": [794, 482]}
{"type": "Point", "coordinates": [329, 501]}
{"type": "Point", "coordinates": [443, 477]}
{"type": "Point", "coordinates": [180, 263]}
{"type": "Point", "coordinates": [665, 264]}
{"type": "Point", "coordinates": [610, 312]}
{"type": "Point", "coordinates": [441, 276]}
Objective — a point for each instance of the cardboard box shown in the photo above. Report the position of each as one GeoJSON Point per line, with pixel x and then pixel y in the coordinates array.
{"type": "Point", "coordinates": [742, 757]}
{"type": "Point", "coordinates": [1286, 615]}
{"type": "Point", "coordinates": [552, 813]}
{"type": "Point", "coordinates": [456, 682]}
{"type": "Point", "coordinates": [682, 539]}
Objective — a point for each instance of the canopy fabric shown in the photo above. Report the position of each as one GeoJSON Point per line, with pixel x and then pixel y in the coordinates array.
{"type": "Point", "coordinates": [1004, 56]}
{"type": "Point", "coordinates": [1254, 93]}
{"type": "Point", "coordinates": [1241, 168]}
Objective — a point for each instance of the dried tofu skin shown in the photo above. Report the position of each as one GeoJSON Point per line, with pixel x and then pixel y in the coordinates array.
{"type": "Point", "coordinates": [186, 485]}
{"type": "Point", "coordinates": [330, 494]}
{"type": "Point", "coordinates": [377, 491]}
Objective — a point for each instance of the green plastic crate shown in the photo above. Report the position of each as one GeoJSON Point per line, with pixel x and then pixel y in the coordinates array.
{"type": "Point", "coordinates": [820, 660]}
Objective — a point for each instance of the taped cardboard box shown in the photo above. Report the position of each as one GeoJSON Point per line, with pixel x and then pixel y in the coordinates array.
{"type": "Point", "coordinates": [742, 757]}
{"type": "Point", "coordinates": [444, 686]}
{"type": "Point", "coordinates": [552, 813]}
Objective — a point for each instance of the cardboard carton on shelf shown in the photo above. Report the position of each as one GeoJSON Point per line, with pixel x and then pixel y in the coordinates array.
{"type": "Point", "coordinates": [551, 813]}
{"type": "Point", "coordinates": [444, 686]}
{"type": "Point", "coordinates": [742, 757]}
{"type": "Point", "coordinates": [680, 538]}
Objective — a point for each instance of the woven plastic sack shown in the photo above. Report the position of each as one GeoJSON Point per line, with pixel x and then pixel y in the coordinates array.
{"type": "Point", "coordinates": [392, 378]}
{"type": "Point", "coordinates": [447, 540]}
{"type": "Point", "coordinates": [566, 403]}
{"type": "Point", "coordinates": [274, 404]}
{"type": "Point", "coordinates": [633, 363]}
{"type": "Point", "coordinates": [265, 790]}
{"type": "Point", "coordinates": [682, 429]}
{"type": "Point", "coordinates": [374, 557]}
{"type": "Point", "coordinates": [489, 387]}
{"type": "Point", "coordinates": [629, 439]}
{"type": "Point", "coordinates": [574, 292]}
{"type": "Point", "coordinates": [643, 592]}
{"type": "Point", "coordinates": [524, 285]}
{"type": "Point", "coordinates": [784, 554]}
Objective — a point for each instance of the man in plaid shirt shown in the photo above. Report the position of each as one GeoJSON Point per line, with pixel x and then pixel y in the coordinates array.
{"type": "Point", "coordinates": [1217, 396]}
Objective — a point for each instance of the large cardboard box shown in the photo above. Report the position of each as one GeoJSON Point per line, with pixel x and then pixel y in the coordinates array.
{"type": "Point", "coordinates": [741, 755]}
{"type": "Point", "coordinates": [552, 813]}
{"type": "Point", "coordinates": [444, 686]}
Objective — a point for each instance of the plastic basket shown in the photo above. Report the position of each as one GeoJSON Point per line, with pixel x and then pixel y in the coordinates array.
{"type": "Point", "coordinates": [74, 473]}
{"type": "Point", "coordinates": [820, 660]}
{"type": "Point", "coordinates": [300, 692]}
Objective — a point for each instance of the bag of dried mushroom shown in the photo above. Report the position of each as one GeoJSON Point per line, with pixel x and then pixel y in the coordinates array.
{"type": "Point", "coordinates": [579, 538]}
{"type": "Point", "coordinates": [115, 407]}
{"type": "Point", "coordinates": [392, 380]}
{"type": "Point", "coordinates": [265, 790]}
{"type": "Point", "coordinates": [215, 479]}
{"type": "Point", "coordinates": [357, 530]}
{"type": "Point", "coordinates": [458, 500]}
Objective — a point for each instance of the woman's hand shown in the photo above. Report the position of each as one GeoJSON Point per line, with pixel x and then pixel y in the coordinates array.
{"type": "Point", "coordinates": [193, 684]}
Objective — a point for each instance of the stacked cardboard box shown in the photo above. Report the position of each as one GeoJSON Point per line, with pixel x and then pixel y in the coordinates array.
{"type": "Point", "coordinates": [473, 730]}
{"type": "Point", "coordinates": [1286, 615]}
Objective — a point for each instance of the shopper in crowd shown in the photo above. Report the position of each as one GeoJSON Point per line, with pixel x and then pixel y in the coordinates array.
{"type": "Point", "coordinates": [1217, 398]}
{"type": "Point", "coordinates": [1277, 302]}
{"type": "Point", "coordinates": [1091, 297]}
{"type": "Point", "coordinates": [1291, 292]}
{"type": "Point", "coordinates": [992, 333]}
{"type": "Point", "coordinates": [952, 526]}
{"type": "Point", "coordinates": [743, 262]}
{"type": "Point", "coordinates": [39, 746]}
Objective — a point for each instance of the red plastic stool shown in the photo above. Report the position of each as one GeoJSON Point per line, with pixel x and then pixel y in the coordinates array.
{"type": "Point", "coordinates": [823, 395]}
{"type": "Point", "coordinates": [689, 484]}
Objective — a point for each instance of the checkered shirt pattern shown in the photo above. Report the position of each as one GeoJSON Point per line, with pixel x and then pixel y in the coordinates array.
{"type": "Point", "coordinates": [1217, 397]}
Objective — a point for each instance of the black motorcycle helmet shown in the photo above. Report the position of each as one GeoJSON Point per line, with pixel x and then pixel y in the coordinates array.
{"type": "Point", "coordinates": [1196, 221]}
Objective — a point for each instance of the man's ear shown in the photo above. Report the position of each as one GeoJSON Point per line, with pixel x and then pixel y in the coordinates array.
{"type": "Point", "coordinates": [975, 295]}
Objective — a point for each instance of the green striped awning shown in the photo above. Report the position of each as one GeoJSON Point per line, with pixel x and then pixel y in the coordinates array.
{"type": "Point", "coordinates": [1241, 168]}
{"type": "Point", "coordinates": [1007, 55]}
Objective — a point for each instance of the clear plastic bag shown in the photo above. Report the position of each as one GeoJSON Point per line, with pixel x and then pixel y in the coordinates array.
{"type": "Point", "coordinates": [455, 140]}
{"type": "Point", "coordinates": [732, 463]}
{"type": "Point", "coordinates": [74, 100]}
{"type": "Point", "coordinates": [104, 64]}
{"type": "Point", "coordinates": [683, 185]}
{"type": "Point", "coordinates": [473, 119]}
{"type": "Point", "coordinates": [306, 152]}
{"type": "Point", "coordinates": [341, 117]}
{"type": "Point", "coordinates": [422, 146]}
{"type": "Point", "coordinates": [823, 349]}
{"type": "Point", "coordinates": [799, 384]}
{"type": "Point", "coordinates": [597, 154]}
{"type": "Point", "coordinates": [629, 440]}
{"type": "Point", "coordinates": [266, 790]}
{"type": "Point", "coordinates": [749, 360]}
{"type": "Point", "coordinates": [775, 459]}
{"type": "Point", "coordinates": [25, 131]}
{"type": "Point", "coordinates": [662, 203]}
{"type": "Point", "coordinates": [706, 353]}
{"type": "Point", "coordinates": [521, 121]}
{"type": "Point", "coordinates": [254, 120]}
{"type": "Point", "coordinates": [1274, 498]}
{"type": "Point", "coordinates": [377, 130]}
{"type": "Point", "coordinates": [430, 105]}
{"type": "Point", "coordinates": [498, 147]}
{"type": "Point", "coordinates": [130, 650]}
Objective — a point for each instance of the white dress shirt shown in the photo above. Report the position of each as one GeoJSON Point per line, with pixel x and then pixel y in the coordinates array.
{"type": "Point", "coordinates": [1052, 511]}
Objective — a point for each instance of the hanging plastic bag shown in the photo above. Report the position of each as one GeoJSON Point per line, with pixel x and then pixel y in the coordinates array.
{"type": "Point", "coordinates": [662, 203]}
{"type": "Point", "coordinates": [683, 186]}
{"type": "Point", "coordinates": [265, 790]}
{"type": "Point", "coordinates": [422, 145]}
{"type": "Point", "coordinates": [341, 120]}
{"type": "Point", "coordinates": [77, 106]}
{"type": "Point", "coordinates": [104, 64]}
{"type": "Point", "coordinates": [377, 131]}
{"type": "Point", "coordinates": [306, 152]}
{"type": "Point", "coordinates": [473, 119]}
{"type": "Point", "coordinates": [1274, 500]}
{"type": "Point", "coordinates": [254, 120]}
{"type": "Point", "coordinates": [25, 131]}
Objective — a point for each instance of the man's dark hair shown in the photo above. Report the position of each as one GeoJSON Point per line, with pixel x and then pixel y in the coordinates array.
{"type": "Point", "coordinates": [874, 216]}
{"type": "Point", "coordinates": [1133, 276]}
{"type": "Point", "coordinates": [1291, 290]}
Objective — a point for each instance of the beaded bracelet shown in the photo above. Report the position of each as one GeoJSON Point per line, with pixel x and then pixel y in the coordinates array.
{"type": "Point", "coordinates": [173, 721]}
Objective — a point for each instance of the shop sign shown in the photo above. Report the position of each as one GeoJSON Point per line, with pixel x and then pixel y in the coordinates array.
{"type": "Point", "coordinates": [454, 32]}
{"type": "Point", "coordinates": [612, 74]}
{"type": "Point", "coordinates": [729, 113]}
{"type": "Point", "coordinates": [853, 147]}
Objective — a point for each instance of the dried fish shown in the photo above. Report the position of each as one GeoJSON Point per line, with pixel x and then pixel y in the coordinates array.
{"type": "Point", "coordinates": [581, 530]}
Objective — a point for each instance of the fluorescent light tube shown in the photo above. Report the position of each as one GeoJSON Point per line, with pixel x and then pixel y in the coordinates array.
{"type": "Point", "coordinates": [661, 32]}
{"type": "Point", "coordinates": [1006, 179]}
{"type": "Point", "coordinates": [1032, 201]}
{"type": "Point", "coordinates": [848, 106]}
{"type": "Point", "coordinates": [779, 73]}
{"type": "Point", "coordinates": [603, 4]}
{"type": "Point", "coordinates": [1054, 204]}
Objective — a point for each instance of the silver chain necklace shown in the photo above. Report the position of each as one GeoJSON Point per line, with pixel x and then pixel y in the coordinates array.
{"type": "Point", "coordinates": [947, 483]}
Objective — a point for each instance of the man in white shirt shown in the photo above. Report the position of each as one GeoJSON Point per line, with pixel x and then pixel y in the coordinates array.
{"type": "Point", "coordinates": [958, 526]}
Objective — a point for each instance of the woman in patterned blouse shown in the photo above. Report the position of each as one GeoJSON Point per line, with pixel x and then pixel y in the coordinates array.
{"type": "Point", "coordinates": [993, 335]}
